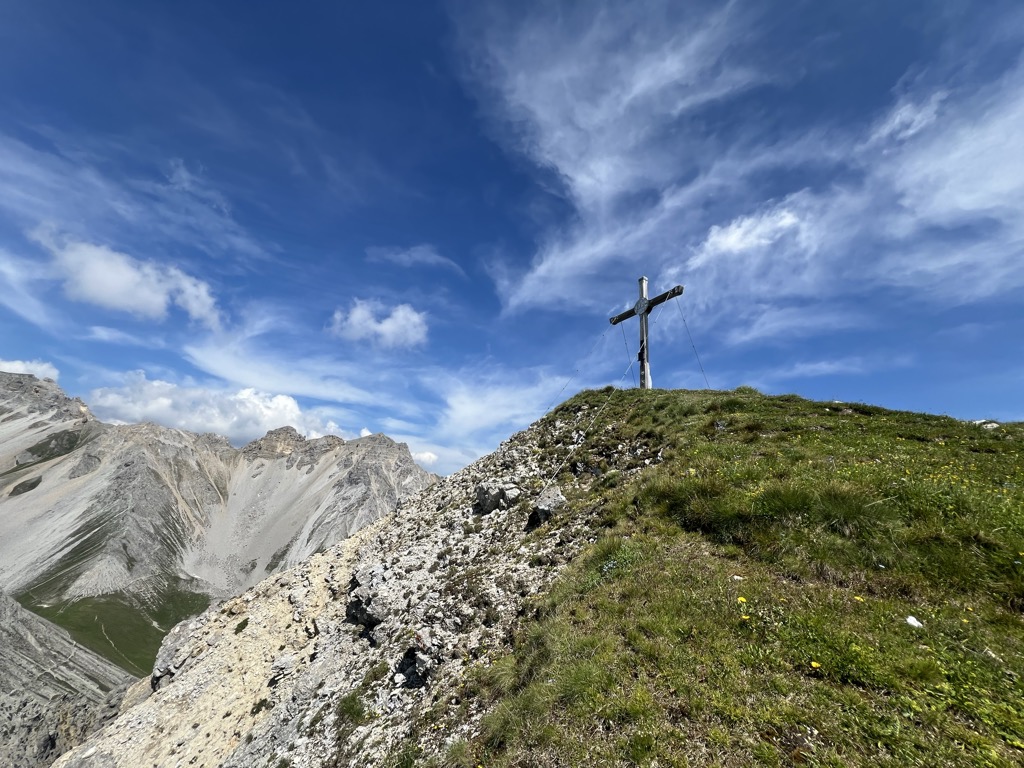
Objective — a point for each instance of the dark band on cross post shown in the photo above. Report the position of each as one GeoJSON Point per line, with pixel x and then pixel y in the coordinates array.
{"type": "Point", "coordinates": [642, 309]}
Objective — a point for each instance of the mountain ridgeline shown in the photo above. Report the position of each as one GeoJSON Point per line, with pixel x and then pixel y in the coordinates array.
{"type": "Point", "coordinates": [117, 532]}
{"type": "Point", "coordinates": [641, 578]}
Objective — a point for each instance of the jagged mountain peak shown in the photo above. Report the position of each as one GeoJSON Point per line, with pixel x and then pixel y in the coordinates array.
{"type": "Point", "coordinates": [285, 441]}
{"type": "Point", "coordinates": [25, 393]}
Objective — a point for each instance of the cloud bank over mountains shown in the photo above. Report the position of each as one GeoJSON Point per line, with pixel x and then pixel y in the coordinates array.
{"type": "Point", "coordinates": [240, 415]}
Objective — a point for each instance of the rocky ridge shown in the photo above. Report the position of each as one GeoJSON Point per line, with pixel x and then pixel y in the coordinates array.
{"type": "Point", "coordinates": [332, 662]}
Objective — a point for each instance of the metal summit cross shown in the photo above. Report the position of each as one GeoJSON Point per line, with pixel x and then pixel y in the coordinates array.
{"type": "Point", "coordinates": [642, 309]}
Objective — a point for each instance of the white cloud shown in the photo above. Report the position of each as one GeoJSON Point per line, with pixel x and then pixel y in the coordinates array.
{"type": "Point", "coordinates": [426, 458]}
{"type": "Point", "coordinates": [960, 178]}
{"type": "Point", "coordinates": [425, 255]}
{"type": "Point", "coordinates": [592, 90]}
{"type": "Point", "coordinates": [39, 368]}
{"type": "Point", "coordinates": [938, 213]}
{"type": "Point", "coordinates": [392, 425]}
{"type": "Point", "coordinates": [968, 166]}
{"type": "Point", "coordinates": [791, 250]}
{"type": "Point", "coordinates": [370, 320]}
{"type": "Point", "coordinates": [241, 415]}
{"type": "Point", "coordinates": [98, 275]}
{"type": "Point", "coordinates": [330, 427]}
{"type": "Point", "coordinates": [747, 233]}
{"type": "Point", "coordinates": [181, 178]}
{"type": "Point", "coordinates": [194, 296]}
{"type": "Point", "coordinates": [364, 432]}
{"type": "Point", "coordinates": [478, 404]}
{"type": "Point", "coordinates": [851, 365]}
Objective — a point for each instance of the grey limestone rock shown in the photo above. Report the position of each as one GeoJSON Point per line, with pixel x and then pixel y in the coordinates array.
{"type": "Point", "coordinates": [491, 496]}
{"type": "Point", "coordinates": [544, 508]}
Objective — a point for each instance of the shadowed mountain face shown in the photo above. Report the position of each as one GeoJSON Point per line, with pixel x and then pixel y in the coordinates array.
{"type": "Point", "coordinates": [118, 532]}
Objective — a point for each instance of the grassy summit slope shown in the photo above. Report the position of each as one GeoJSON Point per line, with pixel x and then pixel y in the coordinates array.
{"type": "Point", "coordinates": [746, 600]}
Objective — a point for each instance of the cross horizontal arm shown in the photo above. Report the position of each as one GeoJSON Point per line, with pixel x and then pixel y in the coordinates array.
{"type": "Point", "coordinates": [671, 293]}
{"type": "Point", "coordinates": [624, 316]}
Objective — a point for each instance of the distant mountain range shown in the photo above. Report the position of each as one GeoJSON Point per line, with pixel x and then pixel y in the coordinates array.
{"type": "Point", "coordinates": [117, 532]}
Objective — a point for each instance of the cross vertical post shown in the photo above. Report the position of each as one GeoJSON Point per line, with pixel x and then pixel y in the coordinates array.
{"type": "Point", "coordinates": [642, 356]}
{"type": "Point", "coordinates": [642, 309]}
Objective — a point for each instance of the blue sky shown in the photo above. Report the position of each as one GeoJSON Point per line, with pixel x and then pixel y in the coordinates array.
{"type": "Point", "coordinates": [416, 218]}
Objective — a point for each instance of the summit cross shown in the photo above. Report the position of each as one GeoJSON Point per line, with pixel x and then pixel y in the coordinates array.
{"type": "Point", "coordinates": [642, 309]}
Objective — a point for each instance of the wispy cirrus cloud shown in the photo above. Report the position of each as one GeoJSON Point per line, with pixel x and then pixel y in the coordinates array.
{"type": "Point", "coordinates": [839, 368]}
{"type": "Point", "coordinates": [483, 403]}
{"type": "Point", "coordinates": [936, 212]}
{"type": "Point", "coordinates": [593, 92]}
{"type": "Point", "coordinates": [603, 98]}
{"type": "Point", "coordinates": [418, 255]}
{"type": "Point", "coordinates": [74, 189]}
{"type": "Point", "coordinates": [804, 369]}
{"type": "Point", "coordinates": [250, 362]}
{"type": "Point", "coordinates": [957, 179]}
{"type": "Point", "coordinates": [21, 284]}
{"type": "Point", "coordinates": [908, 117]}
{"type": "Point", "coordinates": [761, 322]}
{"type": "Point", "coordinates": [109, 335]}
{"type": "Point", "coordinates": [619, 108]}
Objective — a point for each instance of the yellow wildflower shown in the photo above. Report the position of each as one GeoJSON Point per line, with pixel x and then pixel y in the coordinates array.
{"type": "Point", "coordinates": [815, 665]}
{"type": "Point", "coordinates": [741, 599]}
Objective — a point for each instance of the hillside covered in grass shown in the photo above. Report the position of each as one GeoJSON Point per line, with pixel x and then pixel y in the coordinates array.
{"type": "Point", "coordinates": [793, 582]}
